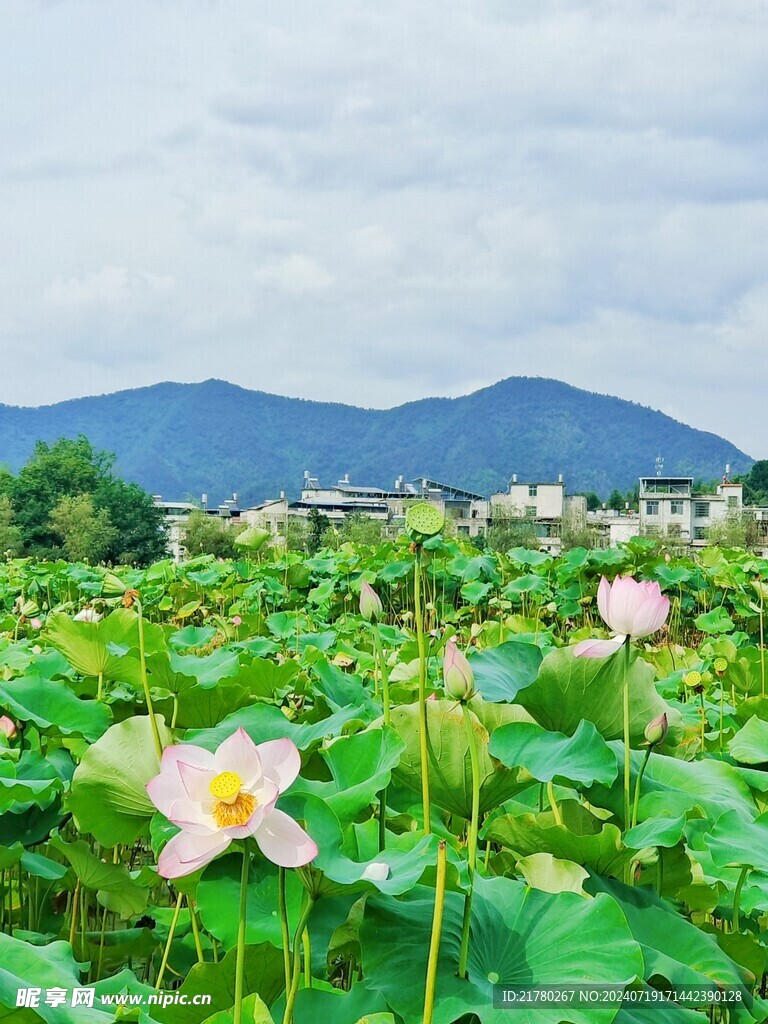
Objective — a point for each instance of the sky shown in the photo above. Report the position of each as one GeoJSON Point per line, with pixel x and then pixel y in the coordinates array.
{"type": "Point", "coordinates": [374, 202]}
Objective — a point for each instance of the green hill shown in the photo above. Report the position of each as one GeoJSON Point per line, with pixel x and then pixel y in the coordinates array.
{"type": "Point", "coordinates": [216, 437]}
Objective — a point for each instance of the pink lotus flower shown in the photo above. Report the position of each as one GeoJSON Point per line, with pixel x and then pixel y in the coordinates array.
{"type": "Point", "coordinates": [230, 794]}
{"type": "Point", "coordinates": [458, 677]}
{"type": "Point", "coordinates": [36, 623]}
{"type": "Point", "coordinates": [370, 602]}
{"type": "Point", "coordinates": [629, 609]}
{"type": "Point", "coordinates": [88, 615]}
{"type": "Point", "coordinates": [236, 621]}
{"type": "Point", "coordinates": [8, 727]}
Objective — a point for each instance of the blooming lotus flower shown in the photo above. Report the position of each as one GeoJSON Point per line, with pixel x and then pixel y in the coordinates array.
{"type": "Point", "coordinates": [36, 623]}
{"type": "Point", "coordinates": [229, 794]}
{"type": "Point", "coordinates": [458, 676]}
{"type": "Point", "coordinates": [370, 602]}
{"type": "Point", "coordinates": [629, 609]}
{"type": "Point", "coordinates": [88, 615]}
{"type": "Point", "coordinates": [8, 727]}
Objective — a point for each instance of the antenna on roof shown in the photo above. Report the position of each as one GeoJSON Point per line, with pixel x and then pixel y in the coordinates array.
{"type": "Point", "coordinates": [659, 465]}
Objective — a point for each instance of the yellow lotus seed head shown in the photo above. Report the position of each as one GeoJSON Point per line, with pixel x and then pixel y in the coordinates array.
{"type": "Point", "coordinates": [692, 679]}
{"type": "Point", "coordinates": [225, 786]}
{"type": "Point", "coordinates": [721, 666]}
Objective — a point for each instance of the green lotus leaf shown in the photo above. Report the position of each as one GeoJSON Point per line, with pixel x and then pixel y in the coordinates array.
{"type": "Point", "coordinates": [545, 872]}
{"type": "Point", "coordinates": [450, 775]}
{"type": "Point", "coordinates": [252, 539]}
{"type": "Point", "coordinates": [51, 705]}
{"type": "Point", "coordinates": [518, 936]}
{"type": "Point", "coordinates": [750, 744]}
{"type": "Point", "coordinates": [584, 757]}
{"type": "Point", "coordinates": [108, 796]}
{"type": "Point", "coordinates": [89, 646]}
{"type": "Point", "coordinates": [716, 621]}
{"type": "Point", "coordinates": [114, 887]}
{"type": "Point", "coordinates": [582, 838]}
{"type": "Point", "coordinates": [677, 950]}
{"type": "Point", "coordinates": [501, 672]}
{"type": "Point", "coordinates": [569, 689]}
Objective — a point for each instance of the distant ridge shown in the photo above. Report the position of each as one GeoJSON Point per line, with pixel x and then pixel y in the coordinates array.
{"type": "Point", "coordinates": [185, 439]}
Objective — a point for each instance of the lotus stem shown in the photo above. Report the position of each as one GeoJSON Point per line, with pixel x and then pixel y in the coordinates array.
{"type": "Point", "coordinates": [762, 647]}
{"type": "Point", "coordinates": [437, 927]}
{"type": "Point", "coordinates": [169, 941]}
{"type": "Point", "coordinates": [474, 824]}
{"type": "Point", "coordinates": [283, 911]}
{"type": "Point", "coordinates": [145, 681]}
{"type": "Point", "coordinates": [703, 723]}
{"type": "Point", "coordinates": [638, 783]}
{"type": "Point", "coordinates": [737, 898]}
{"type": "Point", "coordinates": [307, 946]}
{"type": "Point", "coordinates": [423, 733]}
{"type": "Point", "coordinates": [237, 1016]}
{"type": "Point", "coordinates": [296, 974]}
{"type": "Point", "coordinates": [382, 666]}
{"type": "Point", "coordinates": [73, 921]}
{"type": "Point", "coordinates": [100, 686]}
{"type": "Point", "coordinates": [627, 750]}
{"type": "Point", "coordinates": [195, 932]}
{"type": "Point", "coordinates": [553, 803]}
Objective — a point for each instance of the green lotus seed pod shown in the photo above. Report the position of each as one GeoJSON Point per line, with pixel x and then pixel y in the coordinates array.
{"type": "Point", "coordinates": [423, 521]}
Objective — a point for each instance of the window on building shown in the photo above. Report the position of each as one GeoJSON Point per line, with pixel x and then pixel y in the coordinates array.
{"type": "Point", "coordinates": [530, 511]}
{"type": "Point", "coordinates": [733, 501]}
{"type": "Point", "coordinates": [533, 490]}
{"type": "Point", "coordinates": [698, 533]}
{"type": "Point", "coordinates": [463, 530]}
{"type": "Point", "coordinates": [701, 509]}
{"type": "Point", "coordinates": [676, 508]}
{"type": "Point", "coordinates": [651, 508]}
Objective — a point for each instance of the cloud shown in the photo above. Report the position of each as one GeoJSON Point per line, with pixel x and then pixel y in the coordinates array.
{"type": "Point", "coordinates": [114, 289]}
{"type": "Point", "coordinates": [297, 274]}
{"type": "Point", "coordinates": [372, 203]}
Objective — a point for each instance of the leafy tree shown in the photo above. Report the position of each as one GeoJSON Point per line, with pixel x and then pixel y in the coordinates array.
{"type": "Point", "coordinates": [85, 532]}
{"type": "Point", "coordinates": [576, 533]}
{"type": "Point", "coordinates": [11, 542]}
{"type": "Point", "coordinates": [72, 468]}
{"type": "Point", "coordinates": [593, 501]}
{"type": "Point", "coordinates": [734, 530]}
{"type": "Point", "coordinates": [210, 535]}
{"type": "Point", "coordinates": [616, 499]}
{"type": "Point", "coordinates": [756, 484]}
{"type": "Point", "coordinates": [356, 528]}
{"type": "Point", "coordinates": [138, 522]}
{"type": "Point", "coordinates": [317, 525]}
{"type": "Point", "coordinates": [508, 531]}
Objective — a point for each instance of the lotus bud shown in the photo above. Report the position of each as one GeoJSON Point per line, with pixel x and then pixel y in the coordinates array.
{"type": "Point", "coordinates": [656, 730]}
{"type": "Point", "coordinates": [371, 607]}
{"type": "Point", "coordinates": [36, 623]}
{"type": "Point", "coordinates": [8, 727]}
{"type": "Point", "coordinates": [458, 677]}
{"type": "Point", "coordinates": [236, 621]}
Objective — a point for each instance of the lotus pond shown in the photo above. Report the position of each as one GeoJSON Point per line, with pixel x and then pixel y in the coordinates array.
{"type": "Point", "coordinates": [372, 784]}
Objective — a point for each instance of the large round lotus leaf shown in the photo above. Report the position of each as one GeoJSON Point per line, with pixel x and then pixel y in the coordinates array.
{"type": "Point", "coordinates": [106, 647]}
{"type": "Point", "coordinates": [52, 706]}
{"type": "Point", "coordinates": [449, 765]}
{"type": "Point", "coordinates": [518, 936]}
{"type": "Point", "coordinates": [501, 672]}
{"type": "Point", "coordinates": [108, 796]}
{"type": "Point", "coordinates": [677, 950]}
{"type": "Point", "coordinates": [734, 841]}
{"type": "Point", "coordinates": [569, 689]}
{"type": "Point", "coordinates": [584, 757]}
{"type": "Point", "coordinates": [252, 539]}
{"type": "Point", "coordinates": [360, 767]}
{"type": "Point", "coordinates": [582, 838]}
{"type": "Point", "coordinates": [218, 895]}
{"type": "Point", "coordinates": [750, 744]}
{"type": "Point", "coordinates": [423, 520]}
{"type": "Point", "coordinates": [716, 621]}
{"type": "Point", "coordinates": [42, 967]}
{"type": "Point", "coordinates": [264, 975]}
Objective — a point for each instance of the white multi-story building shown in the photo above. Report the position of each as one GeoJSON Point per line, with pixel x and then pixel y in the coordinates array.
{"type": "Point", "coordinates": [545, 504]}
{"type": "Point", "coordinates": [669, 507]}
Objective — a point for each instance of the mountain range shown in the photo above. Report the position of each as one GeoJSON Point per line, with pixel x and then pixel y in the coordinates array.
{"type": "Point", "coordinates": [182, 440]}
